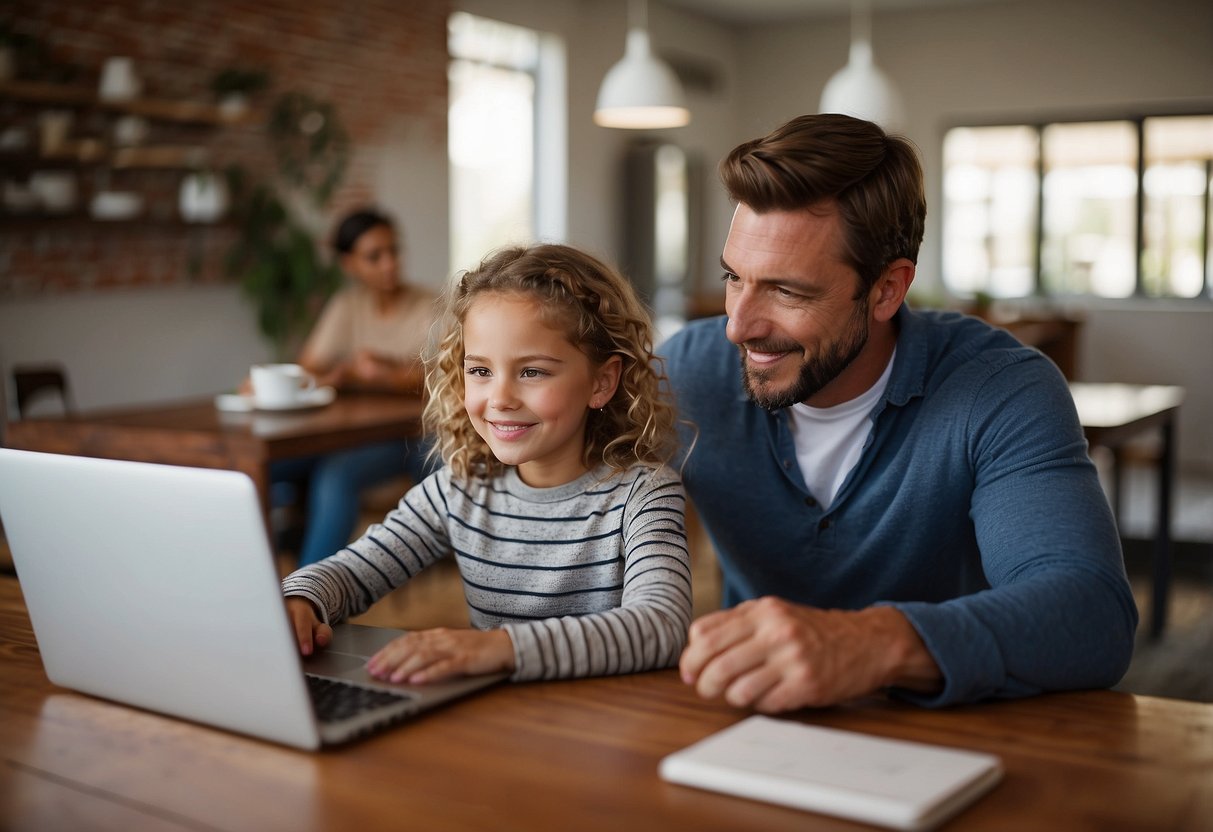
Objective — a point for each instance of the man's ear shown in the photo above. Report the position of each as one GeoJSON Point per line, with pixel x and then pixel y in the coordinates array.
{"type": "Point", "coordinates": [606, 381]}
{"type": "Point", "coordinates": [890, 289]}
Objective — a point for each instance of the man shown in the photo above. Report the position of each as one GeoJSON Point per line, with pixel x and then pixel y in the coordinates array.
{"type": "Point", "coordinates": [899, 499]}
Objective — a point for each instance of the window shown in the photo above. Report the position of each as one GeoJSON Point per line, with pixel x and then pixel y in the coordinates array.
{"type": "Point", "coordinates": [506, 111]}
{"type": "Point", "coordinates": [991, 189]}
{"type": "Point", "coordinates": [1112, 209]}
{"type": "Point", "coordinates": [1178, 214]}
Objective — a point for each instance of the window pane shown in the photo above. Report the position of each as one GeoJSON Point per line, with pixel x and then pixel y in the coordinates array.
{"type": "Point", "coordinates": [1178, 153]}
{"type": "Point", "coordinates": [990, 198]}
{"type": "Point", "coordinates": [490, 136]}
{"type": "Point", "coordinates": [1090, 208]}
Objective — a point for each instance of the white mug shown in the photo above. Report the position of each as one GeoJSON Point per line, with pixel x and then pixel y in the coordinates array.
{"type": "Point", "coordinates": [280, 385]}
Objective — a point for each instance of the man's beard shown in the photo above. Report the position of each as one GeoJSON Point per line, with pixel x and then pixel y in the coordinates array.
{"type": "Point", "coordinates": [815, 372]}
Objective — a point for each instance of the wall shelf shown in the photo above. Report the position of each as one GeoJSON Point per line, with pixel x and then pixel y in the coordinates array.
{"type": "Point", "coordinates": [90, 159]}
{"type": "Point", "coordinates": [82, 217]}
{"type": "Point", "coordinates": [162, 109]}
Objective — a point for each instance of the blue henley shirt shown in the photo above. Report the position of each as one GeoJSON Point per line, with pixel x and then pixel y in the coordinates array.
{"type": "Point", "coordinates": [973, 509]}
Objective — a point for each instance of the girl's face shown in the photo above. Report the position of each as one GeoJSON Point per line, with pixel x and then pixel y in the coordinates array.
{"type": "Point", "coordinates": [528, 390]}
{"type": "Point", "coordinates": [374, 259]}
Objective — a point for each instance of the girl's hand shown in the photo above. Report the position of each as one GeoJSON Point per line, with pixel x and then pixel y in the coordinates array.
{"type": "Point", "coordinates": [311, 633]}
{"type": "Point", "coordinates": [433, 655]}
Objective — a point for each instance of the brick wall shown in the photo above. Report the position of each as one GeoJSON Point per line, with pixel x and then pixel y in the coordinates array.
{"type": "Point", "coordinates": [377, 62]}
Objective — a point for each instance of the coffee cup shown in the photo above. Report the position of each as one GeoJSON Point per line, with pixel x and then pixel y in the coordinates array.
{"type": "Point", "coordinates": [280, 385]}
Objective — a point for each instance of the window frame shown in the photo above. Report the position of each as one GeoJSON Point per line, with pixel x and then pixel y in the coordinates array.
{"type": "Point", "coordinates": [1138, 121]}
{"type": "Point", "coordinates": [549, 138]}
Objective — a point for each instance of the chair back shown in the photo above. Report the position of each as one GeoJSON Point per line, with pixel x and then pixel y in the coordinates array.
{"type": "Point", "coordinates": [35, 382]}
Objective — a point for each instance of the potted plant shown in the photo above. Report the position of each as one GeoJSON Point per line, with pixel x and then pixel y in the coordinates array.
{"type": "Point", "coordinates": [275, 255]}
{"type": "Point", "coordinates": [233, 86]}
{"type": "Point", "coordinates": [203, 196]}
{"type": "Point", "coordinates": [280, 269]}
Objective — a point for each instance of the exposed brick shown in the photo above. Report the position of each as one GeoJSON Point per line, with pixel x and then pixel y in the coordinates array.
{"type": "Point", "coordinates": [375, 61]}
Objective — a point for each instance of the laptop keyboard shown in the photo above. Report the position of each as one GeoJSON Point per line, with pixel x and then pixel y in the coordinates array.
{"type": "Point", "coordinates": [335, 700]}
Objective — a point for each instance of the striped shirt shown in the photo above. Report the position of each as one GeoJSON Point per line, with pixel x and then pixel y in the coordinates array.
{"type": "Point", "coordinates": [588, 578]}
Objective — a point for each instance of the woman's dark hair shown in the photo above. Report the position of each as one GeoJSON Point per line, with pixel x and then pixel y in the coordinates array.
{"type": "Point", "coordinates": [354, 226]}
{"type": "Point", "coordinates": [874, 180]}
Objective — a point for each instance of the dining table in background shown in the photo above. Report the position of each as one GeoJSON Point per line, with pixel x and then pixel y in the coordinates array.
{"type": "Point", "coordinates": [1114, 416]}
{"type": "Point", "coordinates": [199, 434]}
{"type": "Point", "coordinates": [564, 755]}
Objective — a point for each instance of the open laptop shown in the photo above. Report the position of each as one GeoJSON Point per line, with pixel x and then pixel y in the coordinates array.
{"type": "Point", "coordinates": [155, 586]}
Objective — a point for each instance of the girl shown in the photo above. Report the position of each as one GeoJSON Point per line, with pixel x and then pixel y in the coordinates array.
{"type": "Point", "coordinates": [554, 500]}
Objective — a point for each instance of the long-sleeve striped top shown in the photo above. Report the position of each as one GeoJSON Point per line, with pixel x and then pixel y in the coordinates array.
{"type": "Point", "coordinates": [588, 578]}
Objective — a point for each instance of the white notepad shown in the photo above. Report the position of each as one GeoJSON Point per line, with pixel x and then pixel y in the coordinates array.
{"type": "Point", "coordinates": [893, 783]}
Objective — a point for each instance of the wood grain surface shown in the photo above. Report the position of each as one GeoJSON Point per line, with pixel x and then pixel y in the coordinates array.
{"type": "Point", "coordinates": [577, 755]}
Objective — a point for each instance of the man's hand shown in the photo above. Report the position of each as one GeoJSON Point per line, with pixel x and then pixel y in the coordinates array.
{"type": "Point", "coordinates": [311, 633]}
{"type": "Point", "coordinates": [432, 655]}
{"type": "Point", "coordinates": [774, 656]}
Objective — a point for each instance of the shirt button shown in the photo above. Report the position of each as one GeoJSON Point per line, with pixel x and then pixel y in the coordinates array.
{"type": "Point", "coordinates": [810, 502]}
{"type": "Point", "coordinates": [787, 464]}
{"type": "Point", "coordinates": [824, 524]}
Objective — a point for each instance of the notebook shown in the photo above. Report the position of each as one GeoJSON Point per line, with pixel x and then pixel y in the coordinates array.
{"type": "Point", "coordinates": [155, 586]}
{"type": "Point", "coordinates": [886, 782]}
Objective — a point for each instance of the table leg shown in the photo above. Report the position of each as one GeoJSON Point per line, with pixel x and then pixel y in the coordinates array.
{"type": "Point", "coordinates": [1162, 535]}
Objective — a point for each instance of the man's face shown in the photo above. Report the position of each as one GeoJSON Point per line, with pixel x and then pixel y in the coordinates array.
{"type": "Point", "coordinates": [790, 299]}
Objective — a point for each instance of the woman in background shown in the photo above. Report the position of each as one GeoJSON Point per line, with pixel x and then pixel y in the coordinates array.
{"type": "Point", "coordinates": [369, 337]}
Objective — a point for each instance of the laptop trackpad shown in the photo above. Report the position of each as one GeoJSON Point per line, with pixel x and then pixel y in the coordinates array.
{"type": "Point", "coordinates": [329, 663]}
{"type": "Point", "coordinates": [346, 657]}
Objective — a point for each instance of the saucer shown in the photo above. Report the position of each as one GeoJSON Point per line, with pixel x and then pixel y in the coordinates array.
{"type": "Point", "coordinates": [245, 403]}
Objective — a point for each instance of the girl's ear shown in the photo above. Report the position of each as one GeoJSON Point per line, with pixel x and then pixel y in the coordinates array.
{"type": "Point", "coordinates": [606, 381]}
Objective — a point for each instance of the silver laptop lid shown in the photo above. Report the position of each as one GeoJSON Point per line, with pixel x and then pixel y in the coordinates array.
{"type": "Point", "coordinates": [155, 585]}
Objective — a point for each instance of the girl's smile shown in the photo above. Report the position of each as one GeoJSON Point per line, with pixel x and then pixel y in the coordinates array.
{"type": "Point", "coordinates": [509, 431]}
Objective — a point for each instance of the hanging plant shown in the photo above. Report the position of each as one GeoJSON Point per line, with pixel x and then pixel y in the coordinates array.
{"type": "Point", "coordinates": [275, 256]}
{"type": "Point", "coordinates": [312, 146]}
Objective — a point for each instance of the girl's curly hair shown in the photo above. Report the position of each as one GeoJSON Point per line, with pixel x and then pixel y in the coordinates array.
{"type": "Point", "coordinates": [600, 313]}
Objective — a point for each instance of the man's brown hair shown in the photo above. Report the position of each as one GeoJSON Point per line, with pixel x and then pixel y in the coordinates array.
{"type": "Point", "coordinates": [827, 160]}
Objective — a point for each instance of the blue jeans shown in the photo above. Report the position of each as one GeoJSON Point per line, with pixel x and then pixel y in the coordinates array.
{"type": "Point", "coordinates": [335, 482]}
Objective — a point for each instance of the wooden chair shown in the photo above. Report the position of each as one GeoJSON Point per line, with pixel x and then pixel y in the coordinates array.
{"type": "Point", "coordinates": [34, 382]}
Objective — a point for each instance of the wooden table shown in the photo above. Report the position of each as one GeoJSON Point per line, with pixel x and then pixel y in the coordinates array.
{"type": "Point", "coordinates": [578, 755]}
{"type": "Point", "coordinates": [198, 434]}
{"type": "Point", "coordinates": [1113, 415]}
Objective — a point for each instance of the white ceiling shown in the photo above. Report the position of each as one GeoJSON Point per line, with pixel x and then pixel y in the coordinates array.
{"type": "Point", "coordinates": [769, 11]}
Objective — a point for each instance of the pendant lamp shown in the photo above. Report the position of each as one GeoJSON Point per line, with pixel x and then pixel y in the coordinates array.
{"type": "Point", "coordinates": [860, 89]}
{"type": "Point", "coordinates": [640, 91]}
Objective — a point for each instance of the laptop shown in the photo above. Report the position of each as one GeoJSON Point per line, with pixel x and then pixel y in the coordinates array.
{"type": "Point", "coordinates": [155, 586]}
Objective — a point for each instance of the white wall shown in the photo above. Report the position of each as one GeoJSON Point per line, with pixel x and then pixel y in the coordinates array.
{"type": "Point", "coordinates": [123, 347]}
{"type": "Point", "coordinates": [1158, 344]}
{"type": "Point", "coordinates": [1025, 60]}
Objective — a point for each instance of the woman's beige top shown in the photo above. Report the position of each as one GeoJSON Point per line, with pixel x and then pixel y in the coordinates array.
{"type": "Point", "coordinates": [351, 322]}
